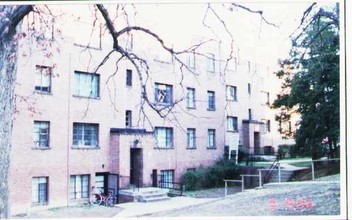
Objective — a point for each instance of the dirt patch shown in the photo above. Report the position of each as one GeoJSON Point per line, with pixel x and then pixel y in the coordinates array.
{"type": "Point", "coordinates": [79, 211]}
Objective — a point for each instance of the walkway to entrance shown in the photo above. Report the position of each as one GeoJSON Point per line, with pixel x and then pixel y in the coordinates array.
{"type": "Point", "coordinates": [138, 208]}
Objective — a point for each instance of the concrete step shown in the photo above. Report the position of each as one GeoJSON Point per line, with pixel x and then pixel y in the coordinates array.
{"type": "Point", "coordinates": [153, 195]}
{"type": "Point", "coordinates": [154, 199]}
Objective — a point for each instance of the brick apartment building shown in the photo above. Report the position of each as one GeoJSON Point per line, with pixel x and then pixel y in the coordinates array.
{"type": "Point", "coordinates": [75, 128]}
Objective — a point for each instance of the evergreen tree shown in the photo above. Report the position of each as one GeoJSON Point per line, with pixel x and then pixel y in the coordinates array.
{"type": "Point", "coordinates": [311, 86]}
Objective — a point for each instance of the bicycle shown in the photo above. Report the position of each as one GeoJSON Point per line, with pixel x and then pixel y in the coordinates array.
{"type": "Point", "coordinates": [101, 198]}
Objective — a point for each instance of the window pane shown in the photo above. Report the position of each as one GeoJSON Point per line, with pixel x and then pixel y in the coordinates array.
{"type": "Point", "coordinates": [191, 138]}
{"type": "Point", "coordinates": [190, 98]}
{"type": "Point", "coordinates": [42, 78]}
{"type": "Point", "coordinates": [41, 134]}
{"type": "Point", "coordinates": [86, 84]}
{"type": "Point", "coordinates": [39, 189]}
{"type": "Point", "coordinates": [211, 138]}
{"type": "Point", "coordinates": [128, 77]}
{"type": "Point", "coordinates": [164, 137]}
{"type": "Point", "coordinates": [163, 94]}
{"type": "Point", "coordinates": [85, 134]}
{"type": "Point", "coordinates": [211, 100]}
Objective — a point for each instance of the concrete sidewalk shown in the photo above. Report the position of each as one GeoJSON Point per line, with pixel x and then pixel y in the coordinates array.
{"type": "Point", "coordinates": [134, 209]}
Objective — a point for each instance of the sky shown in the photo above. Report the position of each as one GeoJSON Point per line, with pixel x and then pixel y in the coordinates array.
{"type": "Point", "coordinates": [254, 39]}
{"type": "Point", "coordinates": [180, 23]}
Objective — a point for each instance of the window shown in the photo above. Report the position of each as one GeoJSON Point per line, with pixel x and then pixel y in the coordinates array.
{"type": "Point", "coordinates": [191, 102]}
{"type": "Point", "coordinates": [249, 88]}
{"type": "Point", "coordinates": [85, 135]}
{"type": "Point", "coordinates": [129, 42]}
{"type": "Point", "coordinates": [128, 77]}
{"type": "Point", "coordinates": [266, 125]}
{"type": "Point", "coordinates": [231, 93]}
{"type": "Point", "coordinates": [265, 98]}
{"type": "Point", "coordinates": [79, 186]}
{"type": "Point", "coordinates": [86, 84]}
{"type": "Point", "coordinates": [192, 60]}
{"type": "Point", "coordinates": [211, 100]}
{"type": "Point", "coordinates": [250, 114]}
{"type": "Point", "coordinates": [164, 137]}
{"type": "Point", "coordinates": [163, 94]}
{"type": "Point", "coordinates": [41, 134]}
{"type": "Point", "coordinates": [211, 62]}
{"type": "Point", "coordinates": [167, 178]}
{"type": "Point", "coordinates": [128, 118]}
{"type": "Point", "coordinates": [42, 79]}
{"type": "Point", "coordinates": [232, 124]}
{"type": "Point", "coordinates": [211, 138]}
{"type": "Point", "coordinates": [191, 138]}
{"type": "Point", "coordinates": [40, 190]}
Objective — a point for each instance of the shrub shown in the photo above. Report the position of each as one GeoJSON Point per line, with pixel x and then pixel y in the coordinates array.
{"type": "Point", "coordinates": [212, 176]}
{"type": "Point", "coordinates": [192, 180]}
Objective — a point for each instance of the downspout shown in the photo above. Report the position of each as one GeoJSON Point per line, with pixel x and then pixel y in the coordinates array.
{"type": "Point", "coordinates": [68, 131]}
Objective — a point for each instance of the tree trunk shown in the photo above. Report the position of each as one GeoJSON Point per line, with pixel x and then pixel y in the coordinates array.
{"type": "Point", "coordinates": [7, 102]}
{"type": "Point", "coordinates": [10, 23]}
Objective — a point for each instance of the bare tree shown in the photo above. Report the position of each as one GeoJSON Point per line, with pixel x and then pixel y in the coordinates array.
{"type": "Point", "coordinates": [11, 17]}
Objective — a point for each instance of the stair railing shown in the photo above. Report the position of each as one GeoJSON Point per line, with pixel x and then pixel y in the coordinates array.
{"type": "Point", "coordinates": [271, 171]}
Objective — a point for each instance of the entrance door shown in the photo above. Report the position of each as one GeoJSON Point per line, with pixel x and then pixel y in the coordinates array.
{"type": "Point", "coordinates": [107, 183]}
{"type": "Point", "coordinates": [256, 142]}
{"type": "Point", "coordinates": [136, 167]}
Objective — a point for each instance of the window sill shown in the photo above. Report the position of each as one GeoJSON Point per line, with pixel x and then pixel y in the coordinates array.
{"type": "Point", "coordinates": [84, 148]}
{"type": "Point", "coordinates": [191, 148]}
{"type": "Point", "coordinates": [211, 148]}
{"type": "Point", "coordinates": [163, 148]}
{"type": "Point", "coordinates": [211, 109]}
{"type": "Point", "coordinates": [191, 108]}
{"type": "Point", "coordinates": [86, 97]}
{"type": "Point", "coordinates": [42, 93]}
{"type": "Point", "coordinates": [41, 148]}
{"type": "Point", "coordinates": [40, 204]}
{"type": "Point", "coordinates": [232, 100]}
{"type": "Point", "coordinates": [235, 131]}
{"type": "Point", "coordinates": [163, 104]}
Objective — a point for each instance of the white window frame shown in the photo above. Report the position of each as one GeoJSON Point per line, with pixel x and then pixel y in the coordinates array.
{"type": "Point", "coordinates": [211, 101]}
{"type": "Point", "coordinates": [232, 124]}
{"type": "Point", "coordinates": [163, 94]}
{"type": "Point", "coordinates": [128, 118]}
{"type": "Point", "coordinates": [42, 79]}
{"type": "Point", "coordinates": [41, 134]}
{"type": "Point", "coordinates": [265, 98]}
{"type": "Point", "coordinates": [85, 135]}
{"type": "Point", "coordinates": [79, 186]}
{"type": "Point", "coordinates": [191, 98]}
{"type": "Point", "coordinates": [86, 84]}
{"type": "Point", "coordinates": [163, 137]}
{"type": "Point", "coordinates": [231, 93]}
{"type": "Point", "coordinates": [191, 138]}
{"type": "Point", "coordinates": [40, 190]}
{"type": "Point", "coordinates": [167, 178]}
{"type": "Point", "coordinates": [129, 77]}
{"type": "Point", "coordinates": [211, 138]}
{"type": "Point", "coordinates": [267, 125]}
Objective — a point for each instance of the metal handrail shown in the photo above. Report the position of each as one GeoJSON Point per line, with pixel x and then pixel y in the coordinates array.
{"type": "Point", "coordinates": [166, 185]}
{"type": "Point", "coordinates": [272, 168]}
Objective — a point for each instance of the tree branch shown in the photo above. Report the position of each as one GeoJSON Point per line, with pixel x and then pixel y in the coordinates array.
{"type": "Point", "coordinates": [260, 12]}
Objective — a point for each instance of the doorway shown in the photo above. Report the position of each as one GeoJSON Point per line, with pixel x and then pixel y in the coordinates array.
{"type": "Point", "coordinates": [107, 183]}
{"type": "Point", "coordinates": [256, 142]}
{"type": "Point", "coordinates": [136, 167]}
